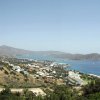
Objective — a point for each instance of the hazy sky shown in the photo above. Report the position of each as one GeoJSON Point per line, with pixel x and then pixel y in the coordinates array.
{"type": "Point", "coordinates": [62, 25]}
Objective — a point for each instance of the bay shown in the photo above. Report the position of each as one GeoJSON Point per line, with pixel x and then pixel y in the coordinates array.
{"type": "Point", "coordinates": [85, 66]}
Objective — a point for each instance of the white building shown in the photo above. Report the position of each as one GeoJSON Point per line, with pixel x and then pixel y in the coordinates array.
{"type": "Point", "coordinates": [74, 75]}
{"type": "Point", "coordinates": [41, 73]}
{"type": "Point", "coordinates": [54, 72]}
{"type": "Point", "coordinates": [16, 68]}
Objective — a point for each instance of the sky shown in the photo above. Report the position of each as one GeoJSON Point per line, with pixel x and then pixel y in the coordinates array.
{"type": "Point", "coordinates": [71, 26]}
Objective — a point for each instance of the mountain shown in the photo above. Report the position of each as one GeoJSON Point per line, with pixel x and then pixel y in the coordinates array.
{"type": "Point", "coordinates": [92, 56]}
{"type": "Point", "coordinates": [12, 52]}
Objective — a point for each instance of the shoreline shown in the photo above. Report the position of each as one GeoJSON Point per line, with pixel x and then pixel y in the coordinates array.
{"type": "Point", "coordinates": [92, 74]}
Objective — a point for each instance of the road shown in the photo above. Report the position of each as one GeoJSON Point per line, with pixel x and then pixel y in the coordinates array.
{"type": "Point", "coordinates": [36, 91]}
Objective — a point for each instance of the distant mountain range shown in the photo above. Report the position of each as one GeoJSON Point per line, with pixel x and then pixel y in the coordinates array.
{"type": "Point", "coordinates": [12, 52]}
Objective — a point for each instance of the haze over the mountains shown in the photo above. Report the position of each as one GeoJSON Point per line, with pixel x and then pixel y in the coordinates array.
{"type": "Point", "coordinates": [12, 52]}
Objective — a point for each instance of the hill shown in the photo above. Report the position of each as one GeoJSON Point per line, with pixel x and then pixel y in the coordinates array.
{"type": "Point", "coordinates": [92, 56]}
{"type": "Point", "coordinates": [12, 52]}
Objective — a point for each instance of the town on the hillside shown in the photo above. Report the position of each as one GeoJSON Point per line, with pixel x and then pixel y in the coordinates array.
{"type": "Point", "coordinates": [40, 73]}
{"type": "Point", "coordinates": [42, 78]}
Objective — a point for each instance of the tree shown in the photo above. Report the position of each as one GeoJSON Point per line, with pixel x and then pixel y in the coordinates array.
{"type": "Point", "coordinates": [93, 87]}
{"type": "Point", "coordinates": [6, 91]}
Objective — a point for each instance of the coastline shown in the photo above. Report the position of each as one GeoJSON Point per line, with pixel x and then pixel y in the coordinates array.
{"type": "Point", "coordinates": [94, 75]}
{"type": "Point", "coordinates": [86, 67]}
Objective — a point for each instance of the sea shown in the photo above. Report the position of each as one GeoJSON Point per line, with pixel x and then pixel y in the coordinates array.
{"type": "Point", "coordinates": [84, 66]}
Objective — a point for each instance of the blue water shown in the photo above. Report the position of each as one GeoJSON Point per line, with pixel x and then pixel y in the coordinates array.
{"type": "Point", "coordinates": [85, 66]}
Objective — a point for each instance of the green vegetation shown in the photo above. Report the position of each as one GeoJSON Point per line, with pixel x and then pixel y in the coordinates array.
{"type": "Point", "coordinates": [61, 92]}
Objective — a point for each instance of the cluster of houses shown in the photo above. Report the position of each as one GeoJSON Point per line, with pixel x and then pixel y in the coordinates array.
{"type": "Point", "coordinates": [16, 68]}
{"type": "Point", "coordinates": [46, 71]}
{"type": "Point", "coordinates": [40, 70]}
